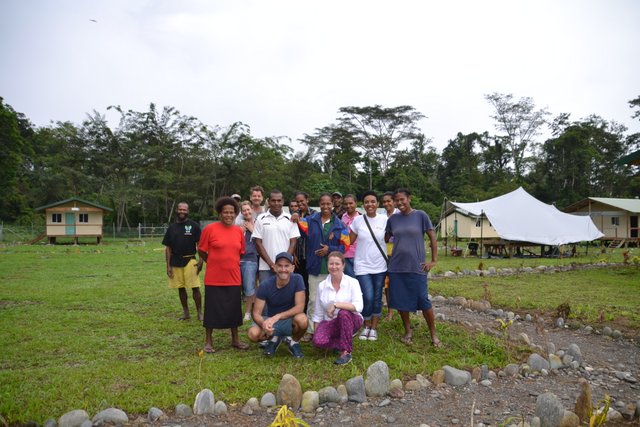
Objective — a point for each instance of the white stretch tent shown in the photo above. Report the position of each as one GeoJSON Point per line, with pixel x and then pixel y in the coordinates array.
{"type": "Point", "coordinates": [520, 217]}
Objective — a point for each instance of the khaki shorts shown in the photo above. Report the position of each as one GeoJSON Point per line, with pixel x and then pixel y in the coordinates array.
{"type": "Point", "coordinates": [185, 277]}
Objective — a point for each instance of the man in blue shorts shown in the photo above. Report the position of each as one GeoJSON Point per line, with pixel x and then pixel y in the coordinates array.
{"type": "Point", "coordinates": [283, 296]}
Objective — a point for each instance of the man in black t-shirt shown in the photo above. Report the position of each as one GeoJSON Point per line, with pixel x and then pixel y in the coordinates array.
{"type": "Point", "coordinates": [181, 240]}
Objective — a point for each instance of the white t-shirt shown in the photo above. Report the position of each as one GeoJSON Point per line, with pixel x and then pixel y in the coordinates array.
{"type": "Point", "coordinates": [349, 292]}
{"type": "Point", "coordinates": [368, 259]}
{"type": "Point", "coordinates": [275, 234]}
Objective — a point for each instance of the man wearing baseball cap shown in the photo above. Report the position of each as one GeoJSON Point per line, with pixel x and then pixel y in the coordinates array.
{"type": "Point", "coordinates": [283, 296]}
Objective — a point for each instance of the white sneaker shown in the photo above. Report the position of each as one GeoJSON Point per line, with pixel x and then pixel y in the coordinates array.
{"type": "Point", "coordinates": [247, 317]}
{"type": "Point", "coordinates": [364, 335]}
{"type": "Point", "coordinates": [373, 335]}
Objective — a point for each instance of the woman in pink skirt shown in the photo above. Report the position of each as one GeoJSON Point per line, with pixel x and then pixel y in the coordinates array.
{"type": "Point", "coordinates": [337, 310]}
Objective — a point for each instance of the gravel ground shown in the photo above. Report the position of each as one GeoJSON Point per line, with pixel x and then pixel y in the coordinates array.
{"type": "Point", "coordinates": [507, 398]}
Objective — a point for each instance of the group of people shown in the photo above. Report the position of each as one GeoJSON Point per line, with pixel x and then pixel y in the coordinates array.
{"type": "Point", "coordinates": [320, 275]}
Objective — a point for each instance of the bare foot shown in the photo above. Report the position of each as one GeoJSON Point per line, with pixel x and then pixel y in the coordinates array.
{"type": "Point", "coordinates": [199, 317]}
{"type": "Point", "coordinates": [407, 339]}
{"type": "Point", "coordinates": [208, 348]}
{"type": "Point", "coordinates": [389, 316]}
{"type": "Point", "coordinates": [185, 317]}
{"type": "Point", "coordinates": [436, 342]}
{"type": "Point", "coordinates": [239, 345]}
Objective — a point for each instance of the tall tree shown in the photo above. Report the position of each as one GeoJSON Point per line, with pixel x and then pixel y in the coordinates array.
{"type": "Point", "coordinates": [379, 132]}
{"type": "Point", "coordinates": [521, 123]}
{"type": "Point", "coordinates": [460, 177]}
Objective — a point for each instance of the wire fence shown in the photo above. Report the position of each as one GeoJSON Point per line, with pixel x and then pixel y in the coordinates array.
{"type": "Point", "coordinates": [36, 233]}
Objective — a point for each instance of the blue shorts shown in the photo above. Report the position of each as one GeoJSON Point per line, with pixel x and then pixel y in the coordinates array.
{"type": "Point", "coordinates": [282, 328]}
{"type": "Point", "coordinates": [409, 292]}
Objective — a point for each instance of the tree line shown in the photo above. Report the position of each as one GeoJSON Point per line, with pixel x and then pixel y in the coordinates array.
{"type": "Point", "coordinates": [143, 166]}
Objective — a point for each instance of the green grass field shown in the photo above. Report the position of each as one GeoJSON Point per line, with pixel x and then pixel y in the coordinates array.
{"type": "Point", "coordinates": [96, 326]}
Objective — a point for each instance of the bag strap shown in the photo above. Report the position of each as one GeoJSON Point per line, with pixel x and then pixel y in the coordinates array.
{"type": "Point", "coordinates": [384, 255]}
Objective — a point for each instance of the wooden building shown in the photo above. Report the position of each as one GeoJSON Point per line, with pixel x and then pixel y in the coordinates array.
{"type": "Point", "coordinates": [73, 218]}
{"type": "Point", "coordinates": [616, 218]}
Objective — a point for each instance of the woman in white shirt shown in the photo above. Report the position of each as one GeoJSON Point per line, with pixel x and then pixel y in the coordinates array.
{"type": "Point", "coordinates": [370, 262]}
{"type": "Point", "coordinates": [337, 310]}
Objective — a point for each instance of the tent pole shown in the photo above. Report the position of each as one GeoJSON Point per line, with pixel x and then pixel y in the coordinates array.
{"type": "Point", "coordinates": [481, 232]}
{"type": "Point", "coordinates": [445, 233]}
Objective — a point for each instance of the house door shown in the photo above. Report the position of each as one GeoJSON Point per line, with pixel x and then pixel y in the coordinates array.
{"type": "Point", "coordinates": [633, 225]}
{"type": "Point", "coordinates": [70, 224]}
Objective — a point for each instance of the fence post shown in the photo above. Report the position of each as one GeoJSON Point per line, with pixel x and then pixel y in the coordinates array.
{"type": "Point", "coordinates": [139, 231]}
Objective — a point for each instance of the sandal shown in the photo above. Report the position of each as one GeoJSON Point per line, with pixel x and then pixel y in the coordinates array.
{"type": "Point", "coordinates": [407, 339]}
{"type": "Point", "coordinates": [240, 346]}
{"type": "Point", "coordinates": [436, 342]}
{"type": "Point", "coordinates": [208, 349]}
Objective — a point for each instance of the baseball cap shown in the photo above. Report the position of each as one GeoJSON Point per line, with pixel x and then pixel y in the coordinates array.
{"type": "Point", "coordinates": [236, 196]}
{"type": "Point", "coordinates": [286, 255]}
{"type": "Point", "coordinates": [336, 193]}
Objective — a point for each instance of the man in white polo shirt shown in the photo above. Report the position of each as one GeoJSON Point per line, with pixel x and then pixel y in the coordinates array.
{"type": "Point", "coordinates": [273, 233]}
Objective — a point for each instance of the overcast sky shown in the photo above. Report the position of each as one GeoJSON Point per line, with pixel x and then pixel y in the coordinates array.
{"type": "Point", "coordinates": [286, 67]}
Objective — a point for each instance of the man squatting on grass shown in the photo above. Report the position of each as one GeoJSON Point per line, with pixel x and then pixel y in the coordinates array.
{"type": "Point", "coordinates": [283, 296]}
{"type": "Point", "coordinates": [181, 239]}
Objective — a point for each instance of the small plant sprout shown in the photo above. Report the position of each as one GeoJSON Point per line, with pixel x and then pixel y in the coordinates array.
{"type": "Point", "coordinates": [504, 325]}
{"type": "Point", "coordinates": [598, 418]}
{"type": "Point", "coordinates": [286, 418]}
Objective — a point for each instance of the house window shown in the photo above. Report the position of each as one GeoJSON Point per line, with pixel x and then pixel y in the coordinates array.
{"type": "Point", "coordinates": [478, 222]}
{"type": "Point", "coordinates": [615, 220]}
{"type": "Point", "coordinates": [56, 217]}
{"type": "Point", "coordinates": [83, 217]}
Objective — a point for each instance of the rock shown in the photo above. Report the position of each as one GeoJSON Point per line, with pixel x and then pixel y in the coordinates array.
{"type": "Point", "coordinates": [588, 329]}
{"type": "Point", "coordinates": [154, 414]}
{"type": "Point", "coordinates": [524, 338]}
{"type": "Point", "coordinates": [343, 393]}
{"type": "Point", "coordinates": [485, 383]}
{"type": "Point", "coordinates": [51, 422]}
{"type": "Point", "coordinates": [424, 383]}
{"type": "Point", "coordinates": [205, 403]}
{"type": "Point", "coordinates": [637, 409]}
{"type": "Point", "coordinates": [551, 348]}
{"type": "Point", "coordinates": [385, 402]}
{"type": "Point", "coordinates": [220, 408]}
{"type": "Point", "coordinates": [183, 410]}
{"type": "Point", "coordinates": [269, 399]}
{"type": "Point", "coordinates": [453, 376]}
{"type": "Point", "coordinates": [441, 316]}
{"type": "Point", "coordinates": [554, 362]}
{"type": "Point", "coordinates": [246, 409]}
{"type": "Point", "coordinates": [616, 334]}
{"type": "Point", "coordinates": [412, 385]}
{"type": "Point", "coordinates": [377, 382]}
{"type": "Point", "coordinates": [535, 422]}
{"type": "Point", "coordinates": [524, 370]}
{"type": "Point", "coordinates": [449, 274]}
{"type": "Point", "coordinates": [575, 365]}
{"type": "Point", "coordinates": [111, 416]}
{"type": "Point", "coordinates": [328, 394]}
{"type": "Point", "coordinates": [289, 392]}
{"type": "Point", "coordinates": [549, 409]}
{"type": "Point", "coordinates": [606, 331]}
{"type": "Point", "coordinates": [574, 351]}
{"type": "Point", "coordinates": [253, 404]}
{"type": "Point", "coordinates": [537, 362]}
{"type": "Point", "coordinates": [569, 419]}
{"type": "Point", "coordinates": [395, 389]}
{"type": "Point", "coordinates": [511, 369]}
{"type": "Point", "coordinates": [510, 315]}
{"type": "Point", "coordinates": [527, 317]}
{"type": "Point", "coordinates": [438, 299]}
{"type": "Point", "coordinates": [476, 374]}
{"type": "Point", "coordinates": [356, 390]}
{"type": "Point", "coordinates": [480, 305]}
{"type": "Point", "coordinates": [438, 377]}
{"type": "Point", "coordinates": [613, 416]}
{"type": "Point", "coordinates": [484, 372]}
{"type": "Point", "coordinates": [86, 423]}
{"type": "Point", "coordinates": [560, 322]}
{"type": "Point", "coordinates": [567, 359]}
{"type": "Point", "coordinates": [73, 419]}
{"type": "Point", "coordinates": [310, 401]}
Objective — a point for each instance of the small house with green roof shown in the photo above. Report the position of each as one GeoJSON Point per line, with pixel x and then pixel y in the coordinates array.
{"type": "Point", "coordinates": [616, 218]}
{"type": "Point", "coordinates": [74, 218]}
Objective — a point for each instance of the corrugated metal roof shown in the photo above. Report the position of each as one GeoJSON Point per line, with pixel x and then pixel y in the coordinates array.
{"type": "Point", "coordinates": [631, 205]}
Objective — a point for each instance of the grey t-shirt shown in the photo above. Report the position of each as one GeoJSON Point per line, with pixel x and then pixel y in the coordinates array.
{"type": "Point", "coordinates": [408, 244]}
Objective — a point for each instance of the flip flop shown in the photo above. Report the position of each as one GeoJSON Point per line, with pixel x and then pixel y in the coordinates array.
{"type": "Point", "coordinates": [436, 343]}
{"type": "Point", "coordinates": [240, 346]}
{"type": "Point", "coordinates": [407, 339]}
{"type": "Point", "coordinates": [209, 349]}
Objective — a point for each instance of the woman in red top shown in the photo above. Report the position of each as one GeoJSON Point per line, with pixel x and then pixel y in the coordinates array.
{"type": "Point", "coordinates": [221, 246]}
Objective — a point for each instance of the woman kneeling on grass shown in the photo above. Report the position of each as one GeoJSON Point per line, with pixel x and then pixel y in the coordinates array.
{"type": "Point", "coordinates": [337, 310]}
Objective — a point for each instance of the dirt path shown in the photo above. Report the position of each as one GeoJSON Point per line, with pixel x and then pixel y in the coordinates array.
{"type": "Point", "coordinates": [605, 362]}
